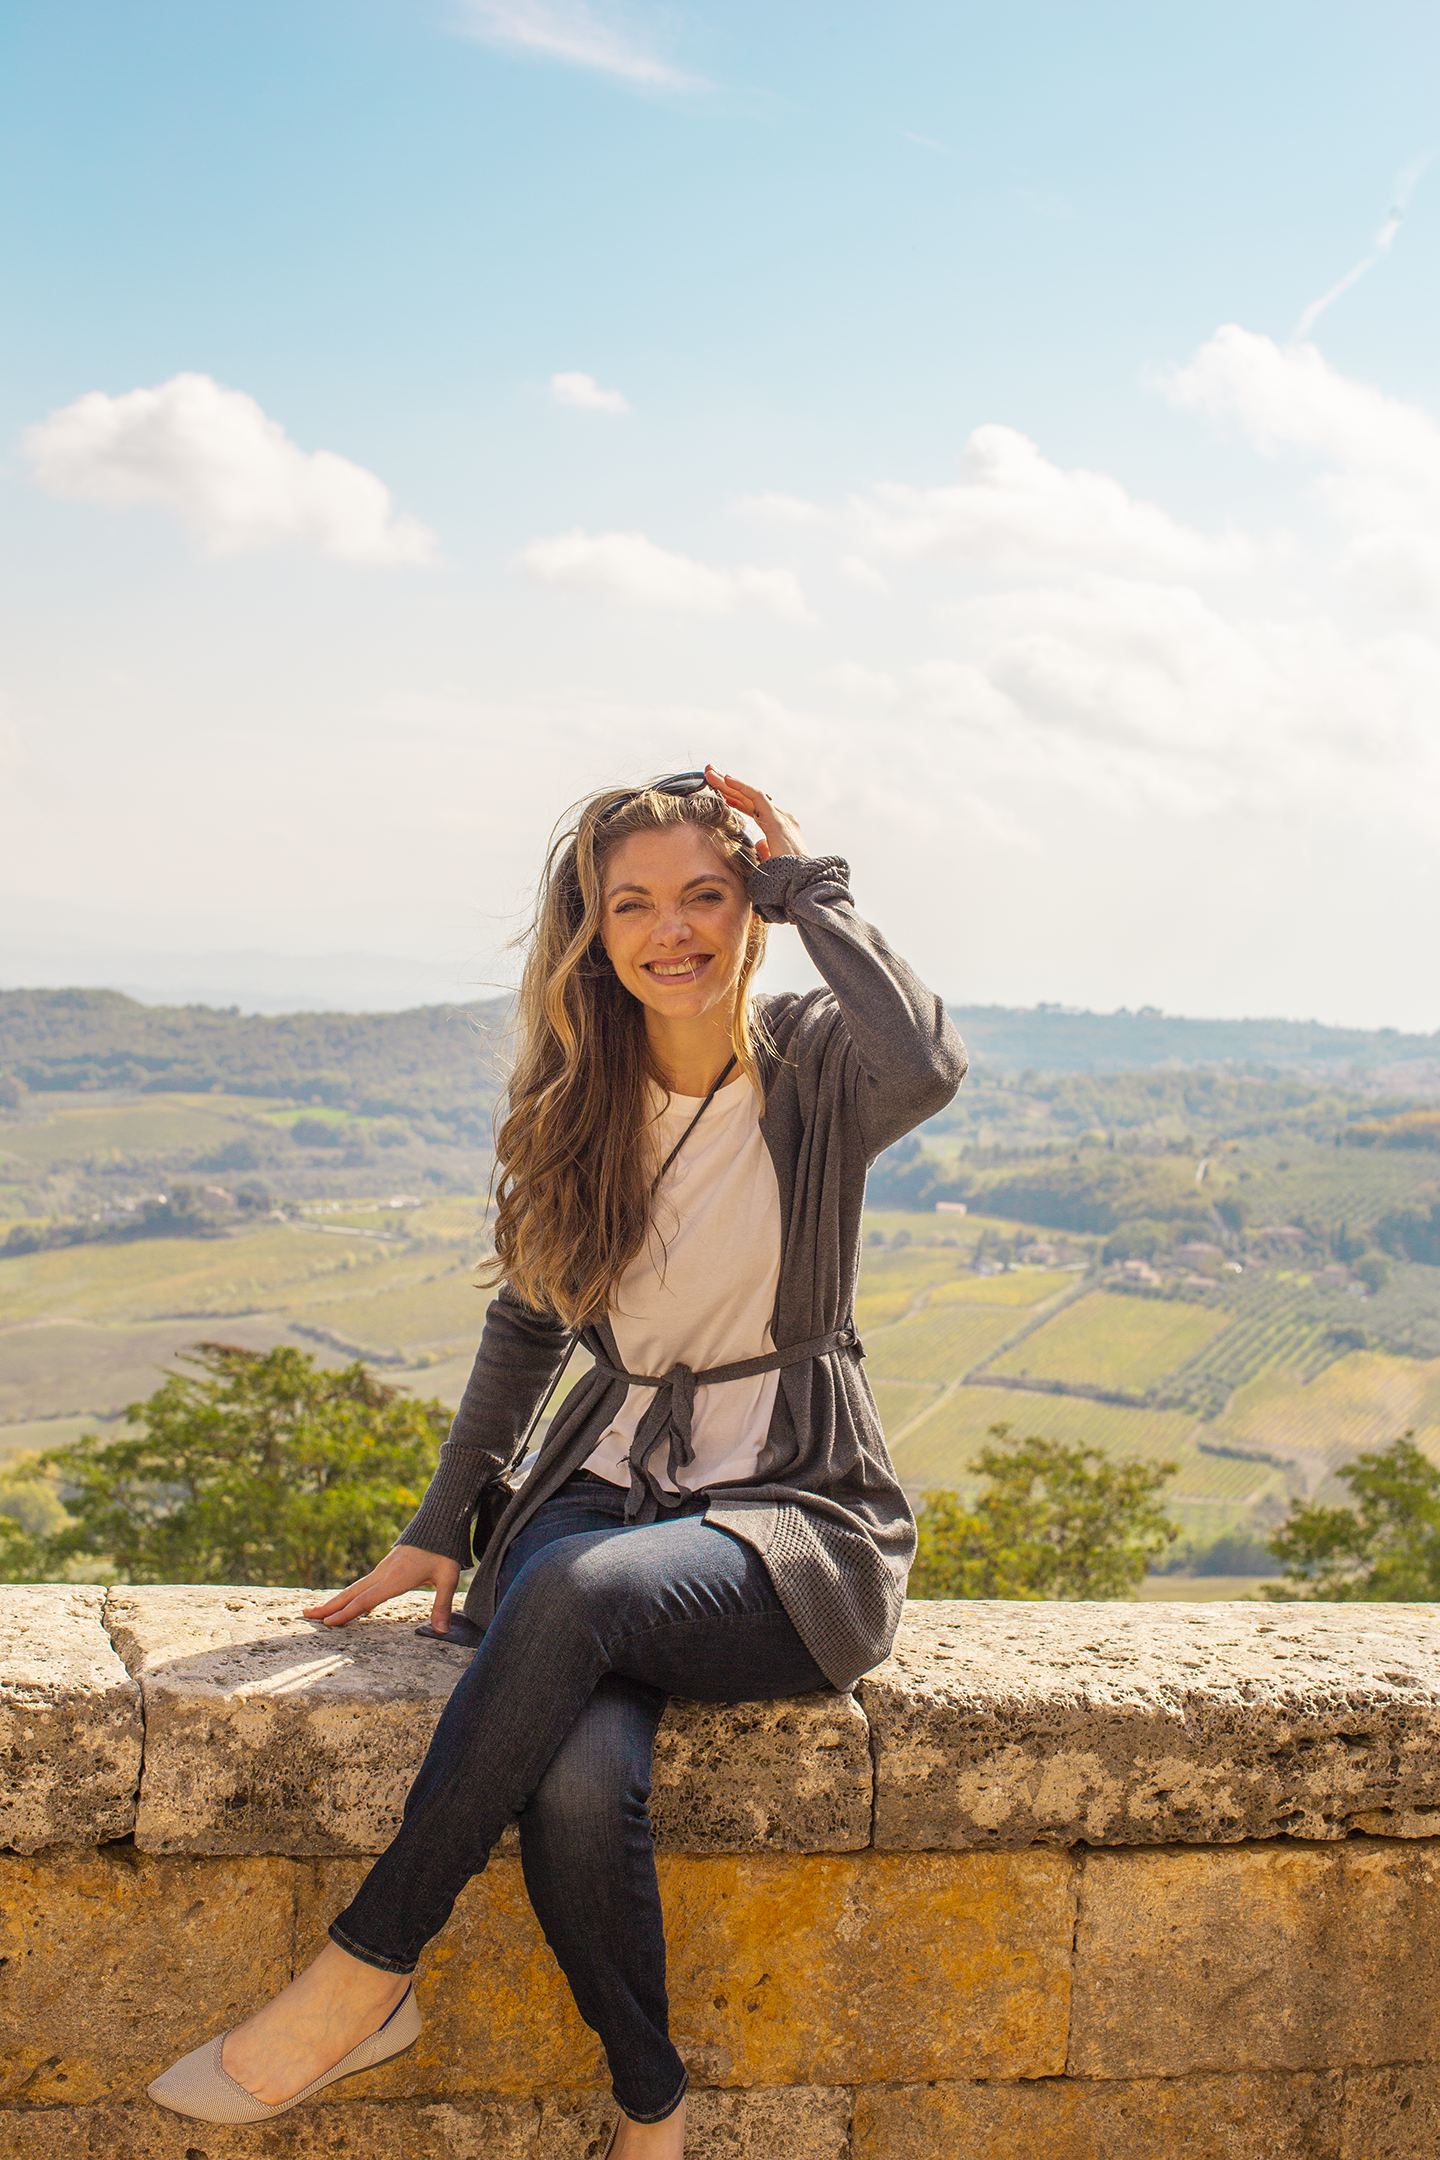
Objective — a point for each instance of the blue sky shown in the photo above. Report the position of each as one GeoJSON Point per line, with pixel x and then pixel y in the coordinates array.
{"type": "Point", "coordinates": [844, 392]}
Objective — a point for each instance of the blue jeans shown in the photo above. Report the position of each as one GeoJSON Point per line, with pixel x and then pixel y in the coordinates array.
{"type": "Point", "coordinates": [553, 1722]}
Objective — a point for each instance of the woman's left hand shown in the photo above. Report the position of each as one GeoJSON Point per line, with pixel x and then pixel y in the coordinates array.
{"type": "Point", "coordinates": [779, 833]}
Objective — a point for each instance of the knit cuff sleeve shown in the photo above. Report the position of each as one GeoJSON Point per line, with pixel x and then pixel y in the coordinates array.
{"type": "Point", "coordinates": [441, 1523]}
{"type": "Point", "coordinates": [777, 883]}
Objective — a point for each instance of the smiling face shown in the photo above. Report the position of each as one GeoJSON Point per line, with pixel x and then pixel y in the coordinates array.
{"type": "Point", "coordinates": [675, 922]}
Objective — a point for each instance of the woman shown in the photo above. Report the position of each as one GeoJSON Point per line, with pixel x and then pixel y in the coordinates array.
{"type": "Point", "coordinates": [713, 1513]}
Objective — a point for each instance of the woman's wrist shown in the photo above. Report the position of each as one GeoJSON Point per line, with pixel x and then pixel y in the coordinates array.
{"type": "Point", "coordinates": [778, 882]}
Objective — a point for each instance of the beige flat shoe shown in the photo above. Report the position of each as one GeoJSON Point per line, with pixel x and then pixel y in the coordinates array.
{"type": "Point", "coordinates": [200, 2086]}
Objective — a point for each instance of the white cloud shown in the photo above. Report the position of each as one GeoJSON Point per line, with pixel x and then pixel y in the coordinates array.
{"type": "Point", "coordinates": [224, 468]}
{"type": "Point", "coordinates": [777, 509]}
{"type": "Point", "coordinates": [584, 394]}
{"type": "Point", "coordinates": [1289, 397]}
{"type": "Point", "coordinates": [1012, 511]}
{"type": "Point", "coordinates": [628, 566]}
{"type": "Point", "coordinates": [571, 32]}
{"type": "Point", "coordinates": [1144, 694]}
{"type": "Point", "coordinates": [1397, 570]}
{"type": "Point", "coordinates": [1383, 453]}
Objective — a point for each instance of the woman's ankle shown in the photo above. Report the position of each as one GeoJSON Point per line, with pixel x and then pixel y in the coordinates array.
{"type": "Point", "coordinates": [664, 2137]}
{"type": "Point", "coordinates": [336, 1971]}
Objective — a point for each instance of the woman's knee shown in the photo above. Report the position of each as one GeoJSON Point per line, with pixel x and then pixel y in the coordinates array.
{"type": "Point", "coordinates": [577, 1581]}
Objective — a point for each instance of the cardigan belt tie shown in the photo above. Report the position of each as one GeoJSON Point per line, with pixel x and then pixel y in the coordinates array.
{"type": "Point", "coordinates": [668, 1418]}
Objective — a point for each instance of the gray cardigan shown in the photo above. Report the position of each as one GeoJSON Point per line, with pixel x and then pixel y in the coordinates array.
{"type": "Point", "coordinates": [854, 1067]}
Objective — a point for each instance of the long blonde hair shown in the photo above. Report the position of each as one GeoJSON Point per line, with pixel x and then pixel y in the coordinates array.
{"type": "Point", "coordinates": [574, 1168]}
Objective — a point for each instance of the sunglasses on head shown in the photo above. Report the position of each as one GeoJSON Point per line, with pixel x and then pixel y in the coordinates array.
{"type": "Point", "coordinates": [684, 783]}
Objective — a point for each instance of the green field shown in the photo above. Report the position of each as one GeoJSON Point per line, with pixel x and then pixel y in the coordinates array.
{"type": "Point", "coordinates": [1108, 1341]}
{"type": "Point", "coordinates": [939, 1346]}
{"type": "Point", "coordinates": [158, 1128]}
{"type": "Point", "coordinates": [1364, 1400]}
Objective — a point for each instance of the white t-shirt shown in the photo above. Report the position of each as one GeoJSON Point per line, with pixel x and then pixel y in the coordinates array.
{"type": "Point", "coordinates": [703, 1290]}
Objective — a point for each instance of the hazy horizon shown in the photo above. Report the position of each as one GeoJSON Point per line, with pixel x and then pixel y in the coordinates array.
{"type": "Point", "coordinates": [363, 982]}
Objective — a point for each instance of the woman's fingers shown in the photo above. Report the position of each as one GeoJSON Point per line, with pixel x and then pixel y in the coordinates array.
{"type": "Point", "coordinates": [746, 800]}
{"type": "Point", "coordinates": [735, 792]}
{"type": "Point", "coordinates": [740, 794]}
{"type": "Point", "coordinates": [344, 1600]}
{"type": "Point", "coordinates": [362, 1597]}
{"type": "Point", "coordinates": [440, 1610]}
{"type": "Point", "coordinates": [779, 832]}
{"type": "Point", "coordinates": [404, 1568]}
{"type": "Point", "coordinates": [331, 1604]}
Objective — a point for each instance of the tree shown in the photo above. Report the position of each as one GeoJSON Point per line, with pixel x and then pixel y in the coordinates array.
{"type": "Point", "coordinates": [1412, 1231]}
{"type": "Point", "coordinates": [1050, 1522]}
{"type": "Point", "coordinates": [22, 1557]}
{"type": "Point", "coordinates": [1385, 1546]}
{"type": "Point", "coordinates": [260, 1468]}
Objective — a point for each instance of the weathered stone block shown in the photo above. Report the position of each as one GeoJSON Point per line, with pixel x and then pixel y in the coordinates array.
{"type": "Point", "coordinates": [1392, 2114]}
{"type": "Point", "coordinates": [1203, 2118]}
{"type": "Point", "coordinates": [1280, 1957]}
{"type": "Point", "coordinates": [1013, 1724]}
{"type": "Point", "coordinates": [70, 1723]}
{"type": "Point", "coordinates": [112, 1964]}
{"type": "Point", "coordinates": [845, 1969]}
{"type": "Point", "coordinates": [266, 1732]}
{"type": "Point", "coordinates": [788, 1776]}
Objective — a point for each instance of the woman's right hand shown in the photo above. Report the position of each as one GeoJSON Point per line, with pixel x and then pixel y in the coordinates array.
{"type": "Point", "coordinates": [404, 1567]}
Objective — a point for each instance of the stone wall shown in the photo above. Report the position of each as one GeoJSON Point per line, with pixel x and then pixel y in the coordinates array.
{"type": "Point", "coordinates": [1072, 1882]}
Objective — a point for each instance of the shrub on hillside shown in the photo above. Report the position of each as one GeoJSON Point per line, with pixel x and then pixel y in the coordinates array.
{"type": "Point", "coordinates": [1049, 1522]}
{"type": "Point", "coordinates": [1412, 1231]}
{"type": "Point", "coordinates": [260, 1468]}
{"type": "Point", "coordinates": [1099, 1196]}
{"type": "Point", "coordinates": [317, 1132]}
{"type": "Point", "coordinates": [1138, 1240]}
{"type": "Point", "coordinates": [1408, 1129]}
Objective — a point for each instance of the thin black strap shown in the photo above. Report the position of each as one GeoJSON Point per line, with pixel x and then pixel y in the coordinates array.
{"type": "Point", "coordinates": [670, 1158]}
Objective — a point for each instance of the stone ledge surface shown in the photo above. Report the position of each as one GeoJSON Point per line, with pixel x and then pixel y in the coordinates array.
{"type": "Point", "coordinates": [267, 1732]}
{"type": "Point", "coordinates": [992, 1726]}
{"type": "Point", "coordinates": [70, 1720]}
{"type": "Point", "coordinates": [1116, 1724]}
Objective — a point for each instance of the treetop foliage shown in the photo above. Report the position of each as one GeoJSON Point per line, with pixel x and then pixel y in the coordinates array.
{"type": "Point", "coordinates": [1385, 1546]}
{"type": "Point", "coordinates": [260, 1467]}
{"type": "Point", "coordinates": [1050, 1521]}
